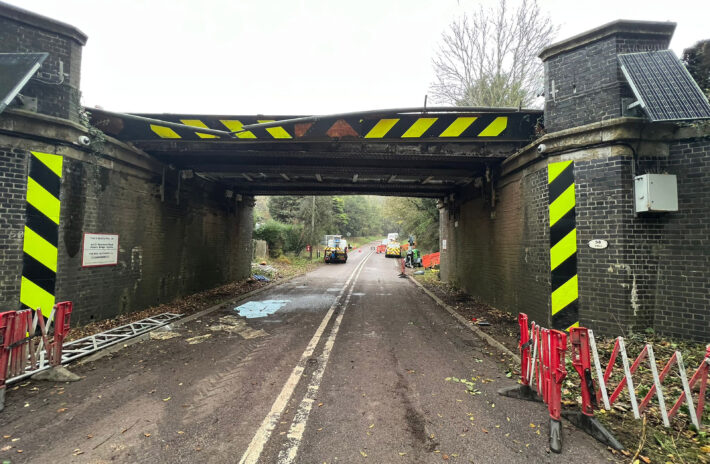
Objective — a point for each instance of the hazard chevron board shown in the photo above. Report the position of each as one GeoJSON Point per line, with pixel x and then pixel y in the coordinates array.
{"type": "Point", "coordinates": [494, 126]}
{"type": "Point", "coordinates": [41, 233]}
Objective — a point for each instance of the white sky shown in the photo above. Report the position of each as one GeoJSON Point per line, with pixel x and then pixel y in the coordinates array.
{"type": "Point", "coordinates": [294, 56]}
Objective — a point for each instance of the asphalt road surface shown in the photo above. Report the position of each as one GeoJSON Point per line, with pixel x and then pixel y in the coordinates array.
{"type": "Point", "coordinates": [347, 364]}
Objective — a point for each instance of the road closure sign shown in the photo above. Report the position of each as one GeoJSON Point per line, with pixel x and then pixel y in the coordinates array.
{"type": "Point", "coordinates": [100, 250]}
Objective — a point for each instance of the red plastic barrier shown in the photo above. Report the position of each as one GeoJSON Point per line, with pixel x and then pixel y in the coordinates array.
{"type": "Point", "coordinates": [21, 351]}
{"type": "Point", "coordinates": [5, 340]}
{"type": "Point", "coordinates": [547, 365]}
{"type": "Point", "coordinates": [582, 362]}
{"type": "Point", "coordinates": [432, 259]}
{"type": "Point", "coordinates": [426, 261]}
{"type": "Point", "coordinates": [62, 317]}
{"type": "Point", "coordinates": [381, 248]}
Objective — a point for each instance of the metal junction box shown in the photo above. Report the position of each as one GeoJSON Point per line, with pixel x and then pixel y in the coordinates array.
{"type": "Point", "coordinates": [656, 193]}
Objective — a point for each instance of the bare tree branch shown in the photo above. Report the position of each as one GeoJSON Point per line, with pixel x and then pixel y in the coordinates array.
{"type": "Point", "coordinates": [489, 58]}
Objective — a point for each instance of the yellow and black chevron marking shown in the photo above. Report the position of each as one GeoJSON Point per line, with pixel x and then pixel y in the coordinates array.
{"type": "Point", "coordinates": [402, 127]}
{"type": "Point", "coordinates": [435, 127]}
{"type": "Point", "coordinates": [39, 269]}
{"type": "Point", "coordinates": [563, 246]}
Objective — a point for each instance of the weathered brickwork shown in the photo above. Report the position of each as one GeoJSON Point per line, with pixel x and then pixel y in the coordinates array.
{"type": "Point", "coordinates": [682, 295]}
{"type": "Point", "coordinates": [500, 254]}
{"type": "Point", "coordinates": [167, 249]}
{"type": "Point", "coordinates": [586, 85]}
{"type": "Point", "coordinates": [23, 32]}
{"type": "Point", "coordinates": [13, 182]}
{"type": "Point", "coordinates": [653, 274]}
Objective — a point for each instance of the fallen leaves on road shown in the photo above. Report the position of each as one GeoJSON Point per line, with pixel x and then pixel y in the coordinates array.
{"type": "Point", "coordinates": [198, 339]}
{"type": "Point", "coordinates": [163, 335]}
{"type": "Point", "coordinates": [61, 409]}
{"type": "Point", "coordinates": [146, 434]}
{"type": "Point", "coordinates": [6, 447]}
{"type": "Point", "coordinates": [237, 325]}
{"type": "Point", "coordinates": [167, 399]}
{"type": "Point", "coordinates": [364, 455]}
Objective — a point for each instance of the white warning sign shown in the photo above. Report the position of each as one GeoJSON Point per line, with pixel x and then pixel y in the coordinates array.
{"type": "Point", "coordinates": [100, 250]}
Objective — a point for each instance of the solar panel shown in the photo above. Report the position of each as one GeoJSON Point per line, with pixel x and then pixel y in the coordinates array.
{"type": "Point", "coordinates": [16, 69]}
{"type": "Point", "coordinates": [664, 88]}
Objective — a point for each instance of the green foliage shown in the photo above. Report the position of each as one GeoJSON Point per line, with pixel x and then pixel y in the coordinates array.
{"type": "Point", "coordinates": [284, 208]}
{"type": "Point", "coordinates": [295, 238]}
{"type": "Point", "coordinates": [314, 217]}
{"type": "Point", "coordinates": [282, 238]}
{"type": "Point", "coordinates": [275, 235]}
{"type": "Point", "coordinates": [415, 216]}
{"type": "Point", "coordinates": [340, 217]}
{"type": "Point", "coordinates": [697, 60]}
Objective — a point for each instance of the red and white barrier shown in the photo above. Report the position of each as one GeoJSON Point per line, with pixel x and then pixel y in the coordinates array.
{"type": "Point", "coordinates": [701, 375]}
{"type": "Point", "coordinates": [542, 370]}
{"type": "Point", "coordinates": [545, 369]}
{"type": "Point", "coordinates": [25, 345]}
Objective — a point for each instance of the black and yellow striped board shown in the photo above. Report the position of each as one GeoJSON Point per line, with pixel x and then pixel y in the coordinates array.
{"type": "Point", "coordinates": [41, 234]}
{"type": "Point", "coordinates": [495, 126]}
{"type": "Point", "coordinates": [563, 246]}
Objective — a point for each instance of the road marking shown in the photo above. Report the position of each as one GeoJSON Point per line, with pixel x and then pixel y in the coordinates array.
{"type": "Point", "coordinates": [262, 435]}
{"type": "Point", "coordinates": [298, 426]}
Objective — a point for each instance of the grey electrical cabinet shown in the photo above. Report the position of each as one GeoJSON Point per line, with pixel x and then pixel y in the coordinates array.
{"type": "Point", "coordinates": [656, 193]}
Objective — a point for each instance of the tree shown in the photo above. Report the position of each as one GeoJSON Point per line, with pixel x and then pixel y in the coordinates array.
{"type": "Point", "coordinates": [489, 58]}
{"type": "Point", "coordinates": [697, 60]}
{"type": "Point", "coordinates": [284, 208]}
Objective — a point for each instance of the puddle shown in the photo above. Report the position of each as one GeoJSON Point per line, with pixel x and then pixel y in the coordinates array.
{"type": "Point", "coordinates": [253, 309]}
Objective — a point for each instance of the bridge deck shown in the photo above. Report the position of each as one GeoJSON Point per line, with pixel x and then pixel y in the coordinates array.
{"type": "Point", "coordinates": [384, 152]}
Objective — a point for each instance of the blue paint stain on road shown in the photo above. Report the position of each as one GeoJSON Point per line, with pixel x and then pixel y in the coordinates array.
{"type": "Point", "coordinates": [264, 308]}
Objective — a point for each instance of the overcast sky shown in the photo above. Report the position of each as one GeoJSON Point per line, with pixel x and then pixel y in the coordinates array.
{"type": "Point", "coordinates": [294, 56]}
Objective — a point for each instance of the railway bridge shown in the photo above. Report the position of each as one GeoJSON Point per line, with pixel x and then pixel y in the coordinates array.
{"type": "Point", "coordinates": [556, 212]}
{"type": "Point", "coordinates": [428, 152]}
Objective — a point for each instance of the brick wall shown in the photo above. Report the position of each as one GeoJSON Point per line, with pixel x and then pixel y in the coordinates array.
{"type": "Point", "coordinates": [22, 31]}
{"type": "Point", "coordinates": [500, 254]}
{"type": "Point", "coordinates": [588, 81]}
{"type": "Point", "coordinates": [13, 185]}
{"type": "Point", "coordinates": [682, 296]}
{"type": "Point", "coordinates": [167, 249]}
{"type": "Point", "coordinates": [653, 274]}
